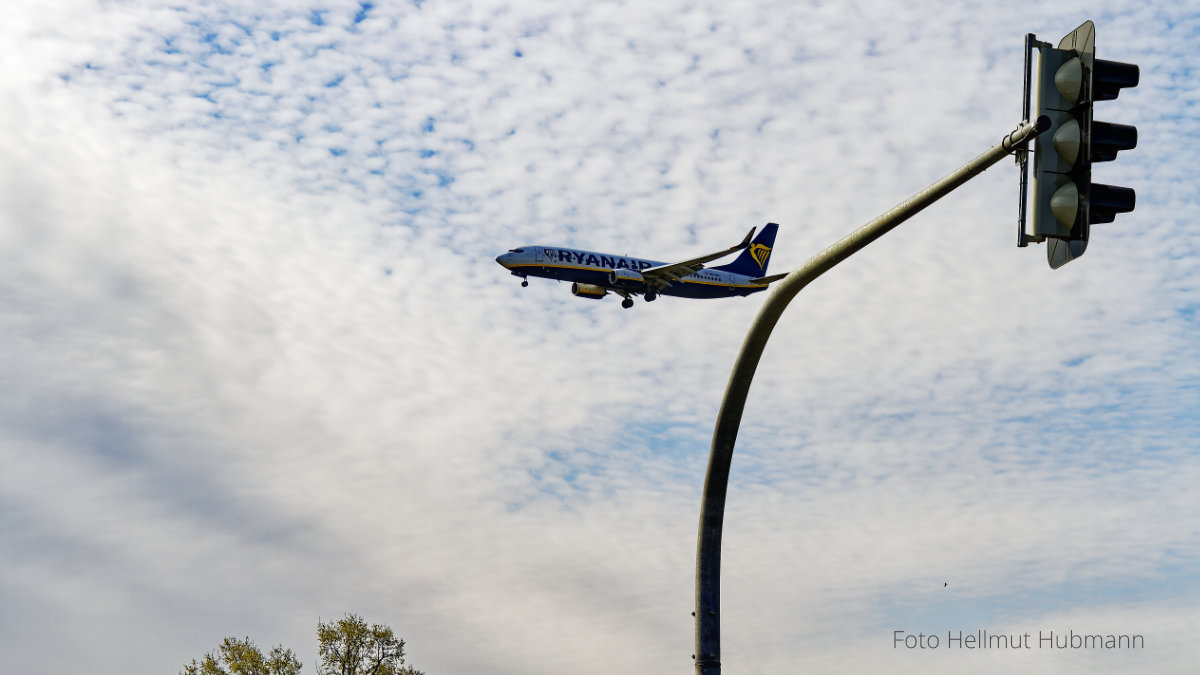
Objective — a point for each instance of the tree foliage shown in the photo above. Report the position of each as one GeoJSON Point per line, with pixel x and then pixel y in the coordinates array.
{"type": "Point", "coordinates": [349, 647]}
{"type": "Point", "coordinates": [242, 657]}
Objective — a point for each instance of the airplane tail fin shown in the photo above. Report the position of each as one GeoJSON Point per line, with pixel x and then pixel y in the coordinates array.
{"type": "Point", "coordinates": [753, 261]}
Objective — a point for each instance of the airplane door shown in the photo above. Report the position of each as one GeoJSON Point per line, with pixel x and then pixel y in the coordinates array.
{"type": "Point", "coordinates": [537, 253]}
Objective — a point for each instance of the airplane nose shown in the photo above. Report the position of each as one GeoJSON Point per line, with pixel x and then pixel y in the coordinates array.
{"type": "Point", "coordinates": [502, 258]}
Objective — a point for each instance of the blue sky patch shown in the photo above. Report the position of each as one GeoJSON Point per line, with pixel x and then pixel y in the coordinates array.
{"type": "Point", "coordinates": [364, 9]}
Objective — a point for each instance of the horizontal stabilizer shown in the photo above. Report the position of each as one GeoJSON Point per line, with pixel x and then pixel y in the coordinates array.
{"type": "Point", "coordinates": [769, 280]}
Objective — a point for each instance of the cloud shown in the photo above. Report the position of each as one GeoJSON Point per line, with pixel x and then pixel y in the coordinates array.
{"type": "Point", "coordinates": [262, 370]}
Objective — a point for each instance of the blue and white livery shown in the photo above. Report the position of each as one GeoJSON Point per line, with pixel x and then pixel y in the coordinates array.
{"type": "Point", "coordinates": [595, 275]}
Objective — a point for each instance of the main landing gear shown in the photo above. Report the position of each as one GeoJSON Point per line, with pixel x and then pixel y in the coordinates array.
{"type": "Point", "coordinates": [628, 301]}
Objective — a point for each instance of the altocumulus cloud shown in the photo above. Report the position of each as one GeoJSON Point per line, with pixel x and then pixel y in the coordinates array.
{"type": "Point", "coordinates": [260, 367]}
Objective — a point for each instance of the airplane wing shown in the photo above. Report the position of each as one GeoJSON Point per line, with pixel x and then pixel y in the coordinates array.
{"type": "Point", "coordinates": [664, 275]}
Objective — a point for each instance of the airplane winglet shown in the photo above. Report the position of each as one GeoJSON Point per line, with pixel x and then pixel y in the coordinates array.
{"type": "Point", "coordinates": [746, 242]}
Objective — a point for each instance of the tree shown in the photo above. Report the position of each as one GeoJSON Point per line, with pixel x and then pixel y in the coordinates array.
{"type": "Point", "coordinates": [349, 647]}
{"type": "Point", "coordinates": [242, 657]}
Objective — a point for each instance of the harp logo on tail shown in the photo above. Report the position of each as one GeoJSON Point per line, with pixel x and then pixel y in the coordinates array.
{"type": "Point", "coordinates": [760, 254]}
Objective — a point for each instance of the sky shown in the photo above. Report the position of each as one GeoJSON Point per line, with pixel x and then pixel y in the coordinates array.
{"type": "Point", "coordinates": [261, 370]}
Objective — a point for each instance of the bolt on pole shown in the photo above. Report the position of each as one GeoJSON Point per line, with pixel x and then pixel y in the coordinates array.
{"type": "Point", "coordinates": [716, 482]}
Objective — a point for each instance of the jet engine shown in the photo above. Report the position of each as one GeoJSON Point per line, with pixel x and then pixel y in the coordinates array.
{"type": "Point", "coordinates": [623, 278]}
{"type": "Point", "coordinates": [588, 290]}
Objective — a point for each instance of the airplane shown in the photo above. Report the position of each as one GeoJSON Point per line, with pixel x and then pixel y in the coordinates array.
{"type": "Point", "coordinates": [595, 275]}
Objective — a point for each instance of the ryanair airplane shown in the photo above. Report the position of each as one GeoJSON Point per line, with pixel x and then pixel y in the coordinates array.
{"type": "Point", "coordinates": [595, 275]}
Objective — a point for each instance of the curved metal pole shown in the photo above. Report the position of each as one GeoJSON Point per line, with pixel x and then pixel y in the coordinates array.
{"type": "Point", "coordinates": [712, 508]}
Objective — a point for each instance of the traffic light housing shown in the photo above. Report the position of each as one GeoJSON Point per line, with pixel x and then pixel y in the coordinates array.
{"type": "Point", "coordinates": [1068, 80]}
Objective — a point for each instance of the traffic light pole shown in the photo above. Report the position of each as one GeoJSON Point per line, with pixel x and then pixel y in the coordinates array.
{"type": "Point", "coordinates": [712, 508]}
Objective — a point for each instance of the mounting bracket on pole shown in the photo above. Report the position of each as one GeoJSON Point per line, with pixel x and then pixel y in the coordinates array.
{"type": "Point", "coordinates": [1031, 44]}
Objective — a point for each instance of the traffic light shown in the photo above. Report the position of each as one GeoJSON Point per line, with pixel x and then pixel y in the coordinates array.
{"type": "Point", "coordinates": [1068, 80]}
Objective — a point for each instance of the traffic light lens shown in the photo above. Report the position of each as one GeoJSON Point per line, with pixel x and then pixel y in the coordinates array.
{"type": "Point", "coordinates": [1065, 204]}
{"type": "Point", "coordinates": [1067, 141]}
{"type": "Point", "coordinates": [1069, 80]}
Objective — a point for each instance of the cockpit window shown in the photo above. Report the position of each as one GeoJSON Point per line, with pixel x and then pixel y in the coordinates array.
{"type": "Point", "coordinates": [517, 250]}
